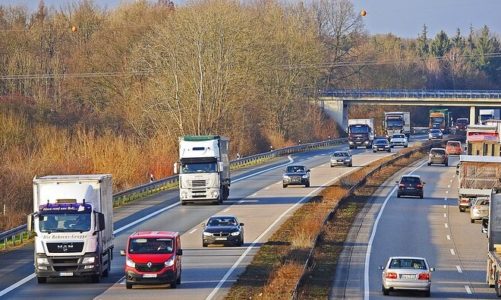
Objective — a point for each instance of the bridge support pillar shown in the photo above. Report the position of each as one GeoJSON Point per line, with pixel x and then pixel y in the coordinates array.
{"type": "Point", "coordinates": [337, 110]}
{"type": "Point", "coordinates": [472, 115]}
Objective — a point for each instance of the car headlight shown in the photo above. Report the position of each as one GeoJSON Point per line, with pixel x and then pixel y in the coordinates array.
{"type": "Point", "coordinates": [207, 233]}
{"type": "Point", "coordinates": [215, 194]}
{"type": "Point", "coordinates": [236, 233]}
{"type": "Point", "coordinates": [184, 195]}
{"type": "Point", "coordinates": [42, 260]}
{"type": "Point", "coordinates": [305, 176]}
{"type": "Point", "coordinates": [88, 260]}
{"type": "Point", "coordinates": [286, 177]}
{"type": "Point", "coordinates": [169, 263]}
{"type": "Point", "coordinates": [130, 263]}
{"type": "Point", "coordinates": [366, 142]}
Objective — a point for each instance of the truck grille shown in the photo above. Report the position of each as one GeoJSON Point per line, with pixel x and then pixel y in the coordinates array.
{"type": "Point", "coordinates": [65, 264]}
{"type": "Point", "coordinates": [153, 268]}
{"type": "Point", "coordinates": [198, 183]}
{"type": "Point", "coordinates": [65, 247]}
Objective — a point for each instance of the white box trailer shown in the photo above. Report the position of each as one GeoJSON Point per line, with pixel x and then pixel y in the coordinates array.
{"type": "Point", "coordinates": [73, 223]}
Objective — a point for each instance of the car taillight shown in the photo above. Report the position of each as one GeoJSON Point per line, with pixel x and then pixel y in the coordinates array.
{"type": "Point", "coordinates": [419, 186]}
{"type": "Point", "coordinates": [391, 275]}
{"type": "Point", "coordinates": [476, 207]}
{"type": "Point", "coordinates": [401, 185]}
{"type": "Point", "coordinates": [424, 276]}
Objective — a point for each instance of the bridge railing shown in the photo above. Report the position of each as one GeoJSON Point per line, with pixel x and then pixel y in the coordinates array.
{"type": "Point", "coordinates": [464, 94]}
{"type": "Point", "coordinates": [16, 235]}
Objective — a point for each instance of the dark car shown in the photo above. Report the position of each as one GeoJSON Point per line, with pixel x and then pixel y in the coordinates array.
{"type": "Point", "coordinates": [381, 145]}
{"type": "Point", "coordinates": [341, 158]}
{"type": "Point", "coordinates": [223, 230]}
{"type": "Point", "coordinates": [410, 185]}
{"type": "Point", "coordinates": [296, 175]}
{"type": "Point", "coordinates": [438, 156]}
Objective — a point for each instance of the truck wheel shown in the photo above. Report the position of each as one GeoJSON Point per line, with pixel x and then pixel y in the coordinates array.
{"type": "Point", "coordinates": [427, 293]}
{"type": "Point", "coordinates": [307, 184]}
{"type": "Point", "coordinates": [284, 186]}
{"type": "Point", "coordinates": [497, 288]}
{"type": "Point", "coordinates": [183, 202]}
{"type": "Point", "coordinates": [461, 209]}
{"type": "Point", "coordinates": [204, 245]}
{"type": "Point", "coordinates": [108, 267]}
{"type": "Point", "coordinates": [173, 284]}
{"type": "Point", "coordinates": [95, 278]}
{"type": "Point", "coordinates": [42, 279]}
{"type": "Point", "coordinates": [128, 285]}
{"type": "Point", "coordinates": [351, 147]}
{"type": "Point", "coordinates": [472, 220]}
{"type": "Point", "coordinates": [368, 146]}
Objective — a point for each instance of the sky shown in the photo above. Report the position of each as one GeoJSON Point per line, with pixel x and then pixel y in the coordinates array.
{"type": "Point", "coordinates": [403, 18]}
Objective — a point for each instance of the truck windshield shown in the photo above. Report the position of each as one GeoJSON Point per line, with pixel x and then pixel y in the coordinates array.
{"type": "Point", "coordinates": [205, 167]}
{"type": "Point", "coordinates": [65, 222]}
{"type": "Point", "coordinates": [359, 129]}
{"type": "Point", "coordinates": [436, 120]}
{"type": "Point", "coordinates": [150, 246]}
{"type": "Point", "coordinates": [394, 123]}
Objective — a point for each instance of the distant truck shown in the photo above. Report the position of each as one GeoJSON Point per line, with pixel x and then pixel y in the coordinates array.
{"type": "Point", "coordinates": [73, 224]}
{"type": "Point", "coordinates": [360, 133]}
{"type": "Point", "coordinates": [204, 169]}
{"type": "Point", "coordinates": [488, 114]}
{"type": "Point", "coordinates": [478, 177]}
{"type": "Point", "coordinates": [397, 122]}
{"type": "Point", "coordinates": [440, 119]}
{"type": "Point", "coordinates": [462, 125]}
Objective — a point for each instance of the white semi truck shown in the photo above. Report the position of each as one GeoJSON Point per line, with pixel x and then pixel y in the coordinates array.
{"type": "Point", "coordinates": [204, 169]}
{"type": "Point", "coordinates": [397, 122]}
{"type": "Point", "coordinates": [488, 114]}
{"type": "Point", "coordinates": [73, 224]}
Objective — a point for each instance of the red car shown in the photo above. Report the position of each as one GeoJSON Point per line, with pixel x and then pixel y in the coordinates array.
{"type": "Point", "coordinates": [153, 257]}
{"type": "Point", "coordinates": [453, 148]}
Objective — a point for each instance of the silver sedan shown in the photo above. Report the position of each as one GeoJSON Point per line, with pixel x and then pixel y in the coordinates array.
{"type": "Point", "coordinates": [406, 273]}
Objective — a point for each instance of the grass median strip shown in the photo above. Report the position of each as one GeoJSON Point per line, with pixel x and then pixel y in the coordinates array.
{"type": "Point", "coordinates": [279, 264]}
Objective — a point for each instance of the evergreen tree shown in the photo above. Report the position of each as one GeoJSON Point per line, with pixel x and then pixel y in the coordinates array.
{"type": "Point", "coordinates": [422, 43]}
{"type": "Point", "coordinates": [440, 45]}
{"type": "Point", "coordinates": [458, 41]}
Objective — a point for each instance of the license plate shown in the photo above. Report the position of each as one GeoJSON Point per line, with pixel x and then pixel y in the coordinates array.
{"type": "Point", "coordinates": [66, 274]}
{"type": "Point", "coordinates": [221, 239]}
{"type": "Point", "coordinates": [149, 275]}
{"type": "Point", "coordinates": [408, 276]}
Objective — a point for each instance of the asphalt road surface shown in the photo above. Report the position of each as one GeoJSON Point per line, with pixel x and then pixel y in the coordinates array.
{"type": "Point", "coordinates": [256, 198]}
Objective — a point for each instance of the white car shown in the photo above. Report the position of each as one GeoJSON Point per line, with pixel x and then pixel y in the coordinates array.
{"type": "Point", "coordinates": [399, 139]}
{"type": "Point", "coordinates": [406, 273]}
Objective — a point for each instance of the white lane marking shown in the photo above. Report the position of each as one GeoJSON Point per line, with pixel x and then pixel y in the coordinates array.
{"type": "Point", "coordinates": [459, 269]}
{"type": "Point", "coordinates": [254, 195]}
{"type": "Point", "coordinates": [373, 234]}
{"type": "Point", "coordinates": [452, 252]}
{"type": "Point", "coordinates": [17, 284]}
{"type": "Point", "coordinates": [446, 225]}
{"type": "Point", "coordinates": [448, 186]}
{"type": "Point", "coordinates": [195, 229]}
{"type": "Point", "coordinates": [447, 192]}
{"type": "Point", "coordinates": [267, 188]}
{"type": "Point", "coordinates": [449, 237]}
{"type": "Point", "coordinates": [226, 209]}
{"type": "Point", "coordinates": [285, 213]}
{"type": "Point", "coordinates": [445, 215]}
{"type": "Point", "coordinates": [445, 206]}
{"type": "Point", "coordinates": [450, 181]}
{"type": "Point", "coordinates": [468, 290]}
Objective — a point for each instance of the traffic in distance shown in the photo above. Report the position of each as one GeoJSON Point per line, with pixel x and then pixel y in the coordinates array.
{"type": "Point", "coordinates": [80, 206]}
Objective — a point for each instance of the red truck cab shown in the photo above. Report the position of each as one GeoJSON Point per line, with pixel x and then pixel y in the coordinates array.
{"type": "Point", "coordinates": [153, 257]}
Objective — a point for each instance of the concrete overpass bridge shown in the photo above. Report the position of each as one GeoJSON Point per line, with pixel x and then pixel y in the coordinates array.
{"type": "Point", "coordinates": [336, 102]}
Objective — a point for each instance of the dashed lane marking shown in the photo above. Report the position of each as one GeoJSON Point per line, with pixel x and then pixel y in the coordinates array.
{"type": "Point", "coordinates": [193, 230]}
{"type": "Point", "coordinates": [449, 237]}
{"type": "Point", "coordinates": [468, 290]}
{"type": "Point", "coordinates": [452, 252]}
{"type": "Point", "coordinates": [459, 269]}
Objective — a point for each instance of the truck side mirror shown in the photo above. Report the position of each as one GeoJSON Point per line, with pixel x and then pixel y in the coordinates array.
{"type": "Point", "coordinates": [122, 252]}
{"type": "Point", "coordinates": [176, 168]}
{"type": "Point", "coordinates": [220, 165]}
{"type": "Point", "coordinates": [30, 223]}
{"type": "Point", "coordinates": [179, 252]}
{"type": "Point", "coordinates": [100, 225]}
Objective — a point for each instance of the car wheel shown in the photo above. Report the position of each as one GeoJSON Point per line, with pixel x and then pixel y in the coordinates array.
{"type": "Point", "coordinates": [350, 165]}
{"type": "Point", "coordinates": [284, 186]}
{"type": "Point", "coordinates": [446, 164]}
{"type": "Point", "coordinates": [462, 209]}
{"type": "Point", "coordinates": [351, 147]}
{"type": "Point", "coordinates": [406, 146]}
{"type": "Point", "coordinates": [398, 195]}
{"type": "Point", "coordinates": [472, 220]}
{"type": "Point", "coordinates": [427, 293]}
{"type": "Point", "coordinates": [332, 166]}
{"type": "Point", "coordinates": [374, 151]}
{"type": "Point", "coordinates": [173, 284]}
{"type": "Point", "coordinates": [42, 279]}
{"type": "Point", "coordinates": [385, 291]}
{"type": "Point", "coordinates": [183, 202]}
{"type": "Point", "coordinates": [204, 245]}
{"type": "Point", "coordinates": [389, 150]}
{"type": "Point", "coordinates": [128, 285]}
{"type": "Point", "coordinates": [307, 184]}
{"type": "Point", "coordinates": [421, 196]}
{"type": "Point", "coordinates": [429, 164]}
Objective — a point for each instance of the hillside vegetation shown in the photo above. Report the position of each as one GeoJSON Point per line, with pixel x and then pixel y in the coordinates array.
{"type": "Point", "coordinates": [86, 90]}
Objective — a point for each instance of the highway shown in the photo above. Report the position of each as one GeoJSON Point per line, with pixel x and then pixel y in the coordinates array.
{"type": "Point", "coordinates": [431, 227]}
{"type": "Point", "coordinates": [257, 199]}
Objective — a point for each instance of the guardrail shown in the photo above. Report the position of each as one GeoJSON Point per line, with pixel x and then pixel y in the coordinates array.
{"type": "Point", "coordinates": [349, 194]}
{"type": "Point", "coordinates": [123, 197]}
{"type": "Point", "coordinates": [467, 94]}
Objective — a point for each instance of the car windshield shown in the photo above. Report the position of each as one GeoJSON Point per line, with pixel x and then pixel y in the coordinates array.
{"type": "Point", "coordinates": [295, 169]}
{"type": "Point", "coordinates": [65, 222]}
{"type": "Point", "coordinates": [398, 136]}
{"type": "Point", "coordinates": [380, 142]}
{"type": "Point", "coordinates": [150, 246]}
{"type": "Point", "coordinates": [340, 154]}
{"type": "Point", "coordinates": [453, 144]}
{"type": "Point", "coordinates": [435, 131]}
{"type": "Point", "coordinates": [222, 221]}
{"type": "Point", "coordinates": [437, 151]}
{"type": "Point", "coordinates": [209, 167]}
{"type": "Point", "coordinates": [407, 263]}
{"type": "Point", "coordinates": [462, 121]}
{"type": "Point", "coordinates": [413, 180]}
{"type": "Point", "coordinates": [358, 129]}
